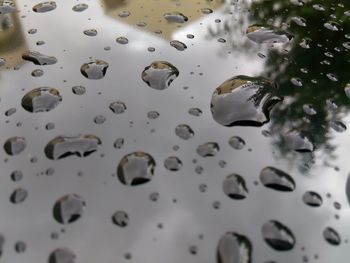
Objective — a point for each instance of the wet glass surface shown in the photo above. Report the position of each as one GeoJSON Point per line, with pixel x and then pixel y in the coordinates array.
{"type": "Point", "coordinates": [173, 130]}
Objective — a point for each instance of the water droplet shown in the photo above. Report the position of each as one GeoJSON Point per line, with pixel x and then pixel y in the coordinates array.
{"type": "Point", "coordinates": [319, 7]}
{"type": "Point", "coordinates": [305, 43]}
{"type": "Point", "coordinates": [7, 6]}
{"type": "Point", "coordinates": [95, 69]}
{"type": "Point", "coordinates": [331, 25]}
{"type": "Point", "coordinates": [173, 163]}
{"type": "Point", "coordinates": [338, 126]}
{"type": "Point", "coordinates": [184, 131]}
{"type": "Point", "coordinates": [159, 75]}
{"type": "Point", "coordinates": [208, 149]}
{"type": "Point", "coordinates": [64, 146]}
{"type": "Point", "coordinates": [136, 168]}
{"type": "Point", "coordinates": [32, 31]}
{"type": "Point", "coordinates": [117, 107]}
{"type": "Point", "coordinates": [206, 11]}
{"type": "Point", "coordinates": [190, 36]}
{"type": "Point", "coordinates": [300, 21]}
{"type": "Point", "coordinates": [118, 143]}
{"type": "Point", "coordinates": [332, 77]}
{"type": "Point", "coordinates": [44, 7]}
{"type": "Point", "coordinates": [50, 126]}
{"type": "Point", "coordinates": [20, 246]}
{"type": "Point", "coordinates": [15, 145]}
{"type": "Point", "coordinates": [68, 209]}
{"type": "Point", "coordinates": [195, 112]}
{"type": "Point", "coordinates": [193, 250]}
{"type": "Point", "coordinates": [80, 7]}
{"type": "Point", "coordinates": [234, 186]}
{"type": "Point", "coordinates": [99, 119]}
{"type": "Point", "coordinates": [331, 236]}
{"type": "Point", "coordinates": [236, 142]}
{"type": "Point", "coordinates": [296, 82]}
{"type": "Point", "coordinates": [278, 236]}
{"type": "Point", "coordinates": [124, 14]}
{"type": "Point", "coordinates": [62, 255]}
{"type": "Point", "coordinates": [120, 218]}
{"type": "Point", "coordinates": [175, 17]}
{"type": "Point", "coordinates": [178, 45]}
{"type": "Point", "coordinates": [276, 179]}
{"type": "Point", "coordinates": [312, 199]}
{"type": "Point", "coordinates": [19, 195]}
{"type": "Point", "coordinates": [10, 112]}
{"type": "Point", "coordinates": [234, 248]}
{"type": "Point", "coordinates": [16, 175]}
{"type": "Point", "coordinates": [90, 32]}
{"type": "Point", "coordinates": [2, 62]}
{"type": "Point", "coordinates": [261, 34]}
{"type": "Point", "coordinates": [243, 101]}
{"type": "Point", "coordinates": [37, 73]}
{"type": "Point", "coordinates": [298, 142]}
{"type": "Point", "coordinates": [41, 99]}
{"type": "Point", "coordinates": [78, 90]}
{"type": "Point", "coordinates": [308, 109]}
{"type": "Point", "coordinates": [39, 59]}
{"type": "Point", "coordinates": [152, 115]}
{"type": "Point", "coordinates": [122, 40]}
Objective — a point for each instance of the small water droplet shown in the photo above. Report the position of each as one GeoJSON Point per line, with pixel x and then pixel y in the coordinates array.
{"type": "Point", "coordinates": [80, 7]}
{"type": "Point", "coordinates": [122, 40]}
{"type": "Point", "coordinates": [331, 236]}
{"type": "Point", "coordinates": [159, 75]}
{"type": "Point", "coordinates": [234, 186]}
{"type": "Point", "coordinates": [62, 255]}
{"type": "Point", "coordinates": [277, 179]}
{"type": "Point", "coordinates": [95, 69]}
{"type": "Point", "coordinates": [117, 107]}
{"type": "Point", "coordinates": [236, 142]}
{"type": "Point", "coordinates": [90, 32]}
{"type": "Point", "coordinates": [234, 248]}
{"type": "Point", "coordinates": [265, 34]}
{"type": "Point", "coordinates": [118, 143]}
{"type": "Point", "coordinates": [19, 195]}
{"type": "Point", "coordinates": [68, 209]}
{"type": "Point", "coordinates": [120, 218]}
{"type": "Point", "coordinates": [78, 90]}
{"type": "Point", "coordinates": [184, 131]}
{"type": "Point", "coordinates": [178, 45]}
{"type": "Point", "coordinates": [195, 112]}
{"type": "Point", "coordinates": [206, 11]}
{"type": "Point", "coordinates": [15, 145]}
{"type": "Point", "coordinates": [278, 236]}
{"type": "Point", "coordinates": [175, 17]}
{"type": "Point", "coordinates": [44, 7]}
{"type": "Point", "coordinates": [173, 163]}
{"type": "Point", "coordinates": [208, 149]}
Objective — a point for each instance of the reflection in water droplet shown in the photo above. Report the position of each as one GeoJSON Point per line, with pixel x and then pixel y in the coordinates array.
{"type": "Point", "coordinates": [122, 40]}
{"type": "Point", "coordinates": [175, 17]}
{"type": "Point", "coordinates": [331, 236]}
{"type": "Point", "coordinates": [120, 218]}
{"type": "Point", "coordinates": [208, 149]}
{"type": "Point", "coordinates": [19, 195]}
{"type": "Point", "coordinates": [331, 25]}
{"type": "Point", "coordinates": [184, 131]}
{"type": "Point", "coordinates": [236, 142]}
{"type": "Point", "coordinates": [39, 59]}
{"type": "Point", "coordinates": [80, 7]}
{"type": "Point", "coordinates": [41, 99]}
{"type": "Point", "coordinates": [78, 90]}
{"type": "Point", "coordinates": [136, 168]}
{"type": "Point", "coordinates": [296, 82]}
{"type": "Point", "coordinates": [44, 7]}
{"type": "Point", "coordinates": [37, 73]}
{"type": "Point", "coordinates": [124, 14]}
{"type": "Point", "coordinates": [243, 101]}
{"type": "Point", "coordinates": [276, 179]}
{"type": "Point", "coordinates": [172, 163]}
{"type": "Point", "coordinates": [234, 186]}
{"type": "Point", "coordinates": [64, 146]}
{"type": "Point", "coordinates": [195, 112]}
{"type": "Point", "coordinates": [117, 107]}
{"type": "Point", "coordinates": [10, 112]}
{"type": "Point", "coordinates": [309, 109]}
{"type": "Point", "coordinates": [265, 34]}
{"type": "Point", "coordinates": [2, 62]}
{"type": "Point", "coordinates": [152, 115]}
{"type": "Point", "coordinates": [95, 69]}
{"type": "Point", "coordinates": [206, 11]}
{"type": "Point", "coordinates": [90, 32]}
{"type": "Point", "coordinates": [300, 21]}
{"type": "Point", "coordinates": [298, 142]}
{"type": "Point", "coordinates": [319, 7]}
{"type": "Point", "coordinates": [312, 199]}
{"type": "Point", "coordinates": [159, 75]}
{"type": "Point", "coordinates": [62, 255]}
{"type": "Point", "coordinates": [20, 247]}
{"type": "Point", "coordinates": [118, 143]}
{"type": "Point", "coordinates": [16, 175]}
{"type": "Point", "coordinates": [234, 248]}
{"type": "Point", "coordinates": [15, 145]}
{"type": "Point", "coordinates": [338, 126]}
{"type": "Point", "coordinates": [178, 45]}
{"type": "Point", "coordinates": [68, 209]}
{"type": "Point", "coordinates": [278, 236]}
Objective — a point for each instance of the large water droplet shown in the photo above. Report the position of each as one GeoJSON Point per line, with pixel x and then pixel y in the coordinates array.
{"type": "Point", "coordinates": [68, 209]}
{"type": "Point", "coordinates": [39, 59]}
{"type": "Point", "coordinates": [172, 163]}
{"type": "Point", "coordinates": [175, 17]}
{"type": "Point", "coordinates": [243, 101]}
{"type": "Point", "coordinates": [15, 145]}
{"type": "Point", "coordinates": [278, 236]}
{"type": "Point", "coordinates": [41, 99]}
{"type": "Point", "coordinates": [234, 186]}
{"type": "Point", "coordinates": [208, 149]}
{"type": "Point", "coordinates": [331, 236]}
{"type": "Point", "coordinates": [276, 179]}
{"type": "Point", "coordinates": [136, 168]}
{"type": "Point", "coordinates": [62, 255]}
{"type": "Point", "coordinates": [234, 248]}
{"type": "Point", "coordinates": [95, 69]}
{"type": "Point", "coordinates": [266, 34]}
{"type": "Point", "coordinates": [44, 7]}
{"type": "Point", "coordinates": [64, 146]}
{"type": "Point", "coordinates": [159, 74]}
{"type": "Point", "coordinates": [184, 131]}
{"type": "Point", "coordinates": [312, 199]}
